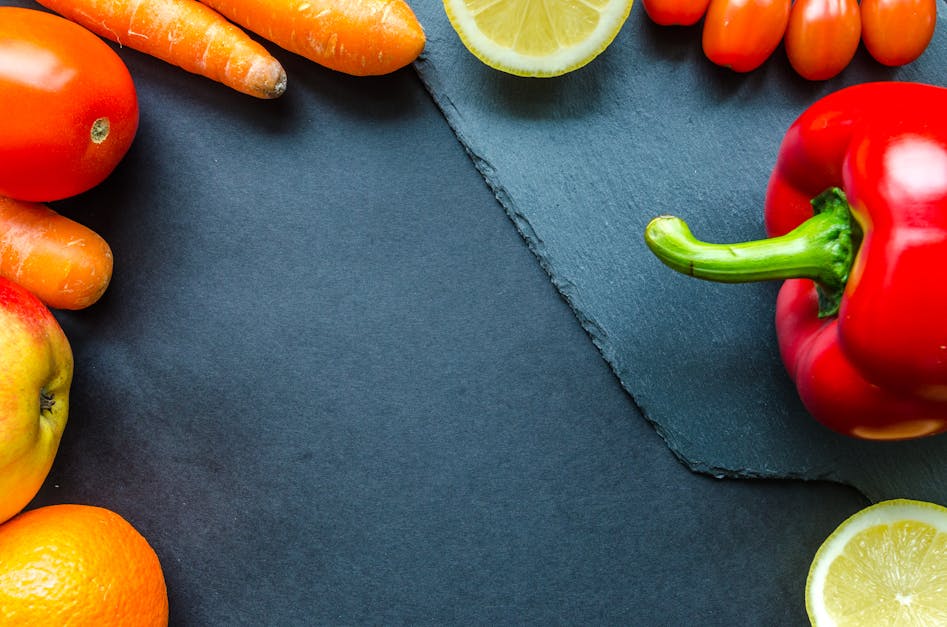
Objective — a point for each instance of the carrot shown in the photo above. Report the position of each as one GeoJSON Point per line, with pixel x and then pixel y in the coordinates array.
{"type": "Point", "coordinates": [184, 33]}
{"type": "Point", "coordinates": [359, 37]}
{"type": "Point", "coordinates": [65, 264]}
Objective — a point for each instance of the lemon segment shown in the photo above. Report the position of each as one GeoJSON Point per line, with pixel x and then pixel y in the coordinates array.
{"type": "Point", "coordinates": [885, 565]}
{"type": "Point", "coordinates": [539, 38]}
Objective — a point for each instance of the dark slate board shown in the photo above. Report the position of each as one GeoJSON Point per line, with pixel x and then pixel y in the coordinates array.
{"type": "Point", "coordinates": [582, 162]}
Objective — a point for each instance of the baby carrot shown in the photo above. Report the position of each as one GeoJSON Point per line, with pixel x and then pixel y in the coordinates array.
{"type": "Point", "coordinates": [359, 37]}
{"type": "Point", "coordinates": [65, 264]}
{"type": "Point", "coordinates": [184, 33]}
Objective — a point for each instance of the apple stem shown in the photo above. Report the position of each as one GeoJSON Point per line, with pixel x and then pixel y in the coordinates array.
{"type": "Point", "coordinates": [46, 401]}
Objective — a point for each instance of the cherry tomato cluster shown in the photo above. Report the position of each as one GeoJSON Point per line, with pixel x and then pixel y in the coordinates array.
{"type": "Point", "coordinates": [820, 36]}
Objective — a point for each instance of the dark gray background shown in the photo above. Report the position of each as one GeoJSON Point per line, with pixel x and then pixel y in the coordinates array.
{"type": "Point", "coordinates": [331, 385]}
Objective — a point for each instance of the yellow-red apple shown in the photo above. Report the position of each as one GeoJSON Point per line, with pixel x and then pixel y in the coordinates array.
{"type": "Point", "coordinates": [35, 376]}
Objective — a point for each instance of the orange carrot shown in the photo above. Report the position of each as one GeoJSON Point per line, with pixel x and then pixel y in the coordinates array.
{"type": "Point", "coordinates": [360, 37]}
{"type": "Point", "coordinates": [184, 33]}
{"type": "Point", "coordinates": [65, 264]}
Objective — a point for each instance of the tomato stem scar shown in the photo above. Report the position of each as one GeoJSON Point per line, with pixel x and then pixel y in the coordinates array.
{"type": "Point", "coordinates": [100, 130]}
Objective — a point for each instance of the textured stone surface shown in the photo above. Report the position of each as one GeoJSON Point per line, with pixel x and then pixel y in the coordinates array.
{"type": "Point", "coordinates": [582, 162]}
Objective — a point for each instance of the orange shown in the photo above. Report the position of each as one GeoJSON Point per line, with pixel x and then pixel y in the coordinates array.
{"type": "Point", "coordinates": [78, 565]}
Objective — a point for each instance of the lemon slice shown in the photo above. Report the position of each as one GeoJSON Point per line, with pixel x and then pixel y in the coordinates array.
{"type": "Point", "coordinates": [886, 565]}
{"type": "Point", "coordinates": [540, 38]}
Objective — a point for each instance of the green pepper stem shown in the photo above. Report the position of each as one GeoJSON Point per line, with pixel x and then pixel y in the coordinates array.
{"type": "Point", "coordinates": [821, 249]}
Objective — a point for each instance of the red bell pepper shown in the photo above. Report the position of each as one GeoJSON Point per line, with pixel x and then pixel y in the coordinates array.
{"type": "Point", "coordinates": [856, 213]}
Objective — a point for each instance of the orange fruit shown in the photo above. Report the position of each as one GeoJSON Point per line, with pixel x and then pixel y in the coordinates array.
{"type": "Point", "coordinates": [78, 565]}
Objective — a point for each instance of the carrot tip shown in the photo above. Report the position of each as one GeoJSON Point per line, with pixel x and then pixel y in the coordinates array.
{"type": "Point", "coordinates": [280, 86]}
{"type": "Point", "coordinates": [265, 79]}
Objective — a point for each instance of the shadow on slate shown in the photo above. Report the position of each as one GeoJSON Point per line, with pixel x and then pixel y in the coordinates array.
{"type": "Point", "coordinates": [582, 162]}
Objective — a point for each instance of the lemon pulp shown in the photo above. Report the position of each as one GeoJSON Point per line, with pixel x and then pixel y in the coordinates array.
{"type": "Point", "coordinates": [886, 565]}
{"type": "Point", "coordinates": [537, 37]}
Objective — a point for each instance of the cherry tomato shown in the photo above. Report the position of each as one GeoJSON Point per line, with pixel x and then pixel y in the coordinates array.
{"type": "Point", "coordinates": [822, 37]}
{"type": "Point", "coordinates": [742, 34]}
{"type": "Point", "coordinates": [70, 111]}
{"type": "Point", "coordinates": [675, 12]}
{"type": "Point", "coordinates": [896, 32]}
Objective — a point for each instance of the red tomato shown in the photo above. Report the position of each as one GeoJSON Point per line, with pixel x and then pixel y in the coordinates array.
{"type": "Point", "coordinates": [742, 34]}
{"type": "Point", "coordinates": [822, 37]}
{"type": "Point", "coordinates": [896, 32]}
{"type": "Point", "coordinates": [675, 12]}
{"type": "Point", "coordinates": [70, 110]}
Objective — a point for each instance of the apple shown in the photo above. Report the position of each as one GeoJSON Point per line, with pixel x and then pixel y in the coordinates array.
{"type": "Point", "coordinates": [35, 376]}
